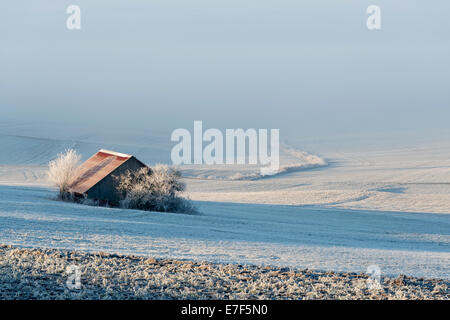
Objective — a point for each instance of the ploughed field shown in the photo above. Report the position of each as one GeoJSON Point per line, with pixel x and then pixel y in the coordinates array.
{"type": "Point", "coordinates": [51, 274]}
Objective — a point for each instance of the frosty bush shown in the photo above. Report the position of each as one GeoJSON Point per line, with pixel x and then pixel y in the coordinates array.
{"type": "Point", "coordinates": [62, 170]}
{"type": "Point", "coordinates": [153, 189]}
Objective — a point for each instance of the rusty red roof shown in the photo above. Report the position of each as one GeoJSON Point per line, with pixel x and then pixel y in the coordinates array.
{"type": "Point", "coordinates": [96, 168]}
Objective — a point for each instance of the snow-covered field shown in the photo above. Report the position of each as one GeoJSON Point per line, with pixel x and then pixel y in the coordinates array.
{"type": "Point", "coordinates": [339, 209]}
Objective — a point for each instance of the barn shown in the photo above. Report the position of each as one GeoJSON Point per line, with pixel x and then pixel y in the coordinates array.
{"type": "Point", "coordinates": [95, 178]}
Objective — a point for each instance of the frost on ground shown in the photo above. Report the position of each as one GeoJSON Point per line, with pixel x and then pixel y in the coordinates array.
{"type": "Point", "coordinates": [44, 274]}
{"type": "Point", "coordinates": [302, 237]}
{"type": "Point", "coordinates": [291, 160]}
{"type": "Point", "coordinates": [384, 206]}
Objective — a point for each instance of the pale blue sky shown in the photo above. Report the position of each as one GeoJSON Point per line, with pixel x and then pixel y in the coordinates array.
{"type": "Point", "coordinates": [310, 67]}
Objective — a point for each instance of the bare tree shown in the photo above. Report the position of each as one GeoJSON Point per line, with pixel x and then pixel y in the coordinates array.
{"type": "Point", "coordinates": [62, 170]}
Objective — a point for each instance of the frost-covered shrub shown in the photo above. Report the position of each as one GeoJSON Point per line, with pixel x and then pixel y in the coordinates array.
{"type": "Point", "coordinates": [62, 171]}
{"type": "Point", "coordinates": [153, 189]}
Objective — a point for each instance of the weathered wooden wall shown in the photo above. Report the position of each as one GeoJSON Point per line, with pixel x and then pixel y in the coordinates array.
{"type": "Point", "coordinates": [106, 190]}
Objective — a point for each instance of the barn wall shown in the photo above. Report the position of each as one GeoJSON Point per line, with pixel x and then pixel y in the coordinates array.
{"type": "Point", "coordinates": [106, 188]}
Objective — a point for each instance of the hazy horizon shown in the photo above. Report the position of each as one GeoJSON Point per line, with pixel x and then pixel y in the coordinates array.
{"type": "Point", "coordinates": [312, 70]}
